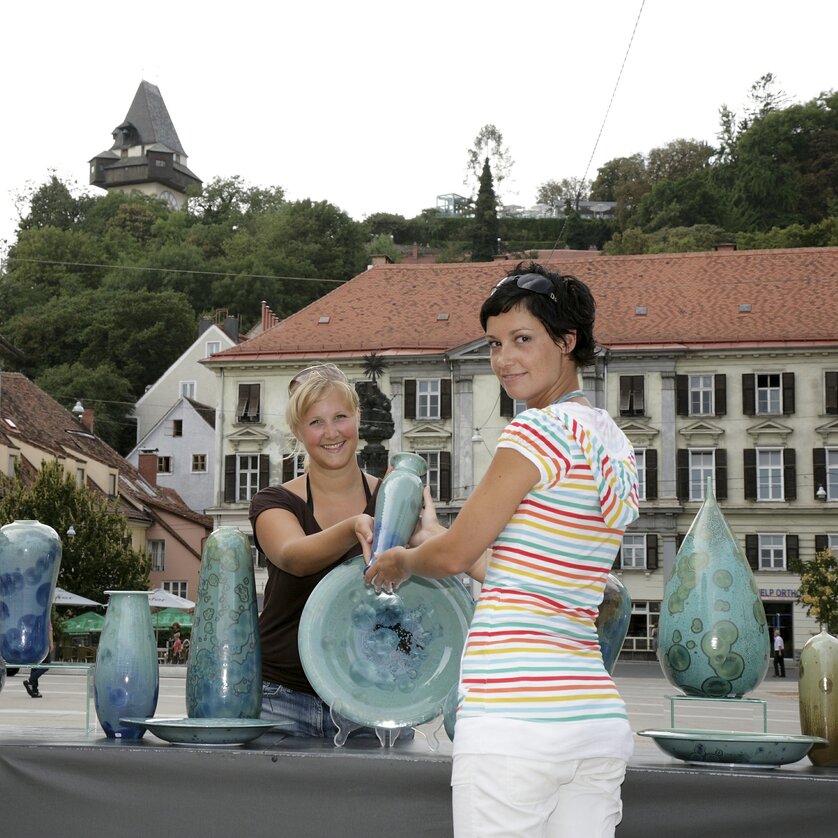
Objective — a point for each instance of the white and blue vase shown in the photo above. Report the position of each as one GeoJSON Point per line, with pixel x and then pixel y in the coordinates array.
{"type": "Point", "coordinates": [399, 502]}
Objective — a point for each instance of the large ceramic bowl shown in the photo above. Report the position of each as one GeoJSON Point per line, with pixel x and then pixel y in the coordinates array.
{"type": "Point", "coordinates": [187, 731]}
{"type": "Point", "coordinates": [732, 747]}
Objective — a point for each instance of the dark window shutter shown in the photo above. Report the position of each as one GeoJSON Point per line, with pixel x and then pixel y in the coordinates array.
{"type": "Point", "coordinates": [264, 470]}
{"type": "Point", "coordinates": [721, 473]}
{"type": "Point", "coordinates": [618, 560]}
{"type": "Point", "coordinates": [819, 469]}
{"type": "Point", "coordinates": [831, 394]}
{"type": "Point", "coordinates": [821, 543]}
{"type": "Point", "coordinates": [788, 393]}
{"type": "Point", "coordinates": [789, 474]}
{"type": "Point", "coordinates": [792, 549]}
{"type": "Point", "coordinates": [651, 551]}
{"type": "Point", "coordinates": [679, 540]}
{"type": "Point", "coordinates": [720, 394]}
{"type": "Point", "coordinates": [752, 550]}
{"type": "Point", "coordinates": [445, 399]}
{"type": "Point", "coordinates": [651, 474]}
{"type": "Point", "coordinates": [682, 395]}
{"type": "Point", "coordinates": [445, 475]}
{"type": "Point", "coordinates": [288, 468]}
{"type": "Point", "coordinates": [507, 405]}
{"type": "Point", "coordinates": [410, 398]}
{"type": "Point", "coordinates": [230, 478]}
{"type": "Point", "coordinates": [750, 457]}
{"type": "Point", "coordinates": [638, 395]}
{"type": "Point", "coordinates": [631, 395]}
{"type": "Point", "coordinates": [749, 399]}
{"type": "Point", "coordinates": [682, 475]}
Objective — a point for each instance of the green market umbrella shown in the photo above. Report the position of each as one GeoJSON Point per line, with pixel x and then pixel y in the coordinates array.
{"type": "Point", "coordinates": [167, 616]}
{"type": "Point", "coordinates": [87, 623]}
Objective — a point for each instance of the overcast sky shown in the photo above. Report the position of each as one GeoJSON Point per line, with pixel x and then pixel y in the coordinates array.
{"type": "Point", "coordinates": [373, 105]}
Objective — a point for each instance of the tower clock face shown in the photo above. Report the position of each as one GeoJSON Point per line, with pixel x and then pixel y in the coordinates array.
{"type": "Point", "coordinates": [170, 199]}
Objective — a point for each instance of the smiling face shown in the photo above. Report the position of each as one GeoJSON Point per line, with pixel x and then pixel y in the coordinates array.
{"type": "Point", "coordinates": [329, 430]}
{"type": "Point", "coordinates": [525, 358]}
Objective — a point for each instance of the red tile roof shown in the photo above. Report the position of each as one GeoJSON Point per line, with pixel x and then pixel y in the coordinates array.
{"type": "Point", "coordinates": [689, 299]}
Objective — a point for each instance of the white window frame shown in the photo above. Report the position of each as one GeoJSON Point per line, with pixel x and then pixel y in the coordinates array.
{"type": "Point", "coordinates": [195, 463]}
{"type": "Point", "coordinates": [212, 347]}
{"type": "Point", "coordinates": [188, 389]}
{"type": "Point", "coordinates": [701, 388]}
{"type": "Point", "coordinates": [247, 476]}
{"type": "Point", "coordinates": [165, 464]}
{"type": "Point", "coordinates": [633, 551]}
{"type": "Point", "coordinates": [768, 391]}
{"type": "Point", "coordinates": [156, 549]}
{"type": "Point", "coordinates": [832, 473]}
{"type": "Point", "coordinates": [640, 460]}
{"type": "Point", "coordinates": [112, 485]}
{"type": "Point", "coordinates": [770, 474]}
{"type": "Point", "coordinates": [772, 551]}
{"type": "Point", "coordinates": [428, 398]}
{"type": "Point", "coordinates": [431, 458]}
{"type": "Point", "coordinates": [177, 587]}
{"type": "Point", "coordinates": [246, 409]}
{"type": "Point", "coordinates": [79, 477]}
{"type": "Point", "coordinates": [702, 466]}
{"type": "Point", "coordinates": [13, 458]}
{"type": "Point", "coordinates": [518, 406]}
{"type": "Point", "coordinates": [832, 542]}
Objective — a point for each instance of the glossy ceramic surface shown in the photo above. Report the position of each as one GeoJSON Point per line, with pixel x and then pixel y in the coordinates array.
{"type": "Point", "coordinates": [398, 503]}
{"type": "Point", "coordinates": [818, 696]}
{"type": "Point", "coordinates": [224, 670]}
{"type": "Point", "coordinates": [384, 660]}
{"type": "Point", "coordinates": [731, 747]}
{"type": "Point", "coordinates": [713, 640]}
{"type": "Point", "coordinates": [613, 619]}
{"type": "Point", "coordinates": [205, 731]}
{"type": "Point", "coordinates": [126, 680]}
{"type": "Point", "coordinates": [30, 558]}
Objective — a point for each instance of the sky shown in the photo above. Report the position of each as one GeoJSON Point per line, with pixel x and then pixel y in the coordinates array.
{"type": "Point", "coordinates": [374, 105]}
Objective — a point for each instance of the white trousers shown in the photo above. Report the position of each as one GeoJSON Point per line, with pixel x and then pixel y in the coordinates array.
{"type": "Point", "coordinates": [510, 797]}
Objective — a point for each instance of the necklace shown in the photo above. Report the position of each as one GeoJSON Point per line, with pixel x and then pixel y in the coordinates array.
{"type": "Point", "coordinates": [568, 396]}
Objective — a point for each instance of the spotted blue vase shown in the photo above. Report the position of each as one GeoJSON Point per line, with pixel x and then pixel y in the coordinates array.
{"type": "Point", "coordinates": [712, 637]}
{"type": "Point", "coordinates": [224, 671]}
{"type": "Point", "coordinates": [613, 620]}
{"type": "Point", "coordinates": [398, 503]}
{"type": "Point", "coordinates": [30, 558]}
{"type": "Point", "coordinates": [127, 677]}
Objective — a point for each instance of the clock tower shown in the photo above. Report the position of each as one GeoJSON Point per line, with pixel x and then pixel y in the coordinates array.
{"type": "Point", "coordinates": [146, 155]}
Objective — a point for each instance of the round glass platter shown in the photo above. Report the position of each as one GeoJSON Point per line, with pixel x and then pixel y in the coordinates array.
{"type": "Point", "coordinates": [384, 660]}
{"type": "Point", "coordinates": [189, 731]}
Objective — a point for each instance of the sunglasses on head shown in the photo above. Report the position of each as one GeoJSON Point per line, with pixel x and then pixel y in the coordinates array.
{"type": "Point", "coordinates": [530, 282]}
{"type": "Point", "coordinates": [328, 371]}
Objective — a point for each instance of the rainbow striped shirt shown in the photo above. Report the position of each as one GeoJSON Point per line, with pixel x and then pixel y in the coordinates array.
{"type": "Point", "coordinates": [532, 652]}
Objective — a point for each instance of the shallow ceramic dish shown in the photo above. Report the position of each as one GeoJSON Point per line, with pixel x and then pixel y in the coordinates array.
{"type": "Point", "coordinates": [732, 747]}
{"type": "Point", "coordinates": [384, 660]}
{"type": "Point", "coordinates": [187, 731]}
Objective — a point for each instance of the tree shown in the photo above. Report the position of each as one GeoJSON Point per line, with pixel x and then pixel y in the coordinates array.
{"type": "Point", "coordinates": [677, 159]}
{"type": "Point", "coordinates": [624, 180]}
{"type": "Point", "coordinates": [566, 192]}
{"type": "Point", "coordinates": [50, 205]}
{"type": "Point", "coordinates": [484, 240]}
{"type": "Point", "coordinates": [488, 144]}
{"type": "Point", "coordinates": [819, 587]}
{"type": "Point", "coordinates": [229, 201]}
{"type": "Point", "coordinates": [99, 556]}
{"type": "Point", "coordinates": [382, 245]}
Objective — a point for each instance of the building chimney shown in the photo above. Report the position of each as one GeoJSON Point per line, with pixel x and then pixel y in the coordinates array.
{"type": "Point", "coordinates": [148, 467]}
{"type": "Point", "coordinates": [380, 259]}
{"type": "Point", "coordinates": [87, 419]}
{"type": "Point", "coordinates": [724, 246]}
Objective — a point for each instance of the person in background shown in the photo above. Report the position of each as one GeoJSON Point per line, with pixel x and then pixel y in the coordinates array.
{"type": "Point", "coordinates": [177, 644]}
{"type": "Point", "coordinates": [779, 655]}
{"type": "Point", "coordinates": [542, 737]}
{"type": "Point", "coordinates": [31, 683]}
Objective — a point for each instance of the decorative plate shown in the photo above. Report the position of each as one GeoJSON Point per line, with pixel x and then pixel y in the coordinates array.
{"type": "Point", "coordinates": [188, 731]}
{"type": "Point", "coordinates": [732, 747]}
{"type": "Point", "coordinates": [384, 660]}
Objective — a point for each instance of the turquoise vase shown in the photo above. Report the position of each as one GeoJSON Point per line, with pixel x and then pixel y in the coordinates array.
{"type": "Point", "coordinates": [818, 696]}
{"type": "Point", "coordinates": [613, 619]}
{"type": "Point", "coordinates": [399, 502]}
{"type": "Point", "coordinates": [127, 678]}
{"type": "Point", "coordinates": [712, 636]}
{"type": "Point", "coordinates": [224, 671]}
{"type": "Point", "coordinates": [30, 558]}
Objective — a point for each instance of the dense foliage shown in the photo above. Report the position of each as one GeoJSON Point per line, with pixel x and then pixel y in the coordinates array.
{"type": "Point", "coordinates": [819, 588]}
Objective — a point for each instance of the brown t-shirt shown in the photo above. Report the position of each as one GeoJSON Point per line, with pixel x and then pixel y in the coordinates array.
{"type": "Point", "coordinates": [286, 594]}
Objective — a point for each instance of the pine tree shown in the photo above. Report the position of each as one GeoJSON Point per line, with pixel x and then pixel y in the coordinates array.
{"type": "Point", "coordinates": [484, 240]}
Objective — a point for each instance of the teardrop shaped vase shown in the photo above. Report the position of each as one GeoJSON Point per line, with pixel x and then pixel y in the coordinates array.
{"type": "Point", "coordinates": [399, 502]}
{"type": "Point", "coordinates": [818, 696]}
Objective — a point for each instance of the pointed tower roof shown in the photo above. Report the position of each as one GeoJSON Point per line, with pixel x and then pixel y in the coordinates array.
{"type": "Point", "coordinates": [147, 122]}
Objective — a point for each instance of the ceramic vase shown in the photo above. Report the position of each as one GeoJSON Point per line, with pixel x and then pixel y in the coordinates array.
{"type": "Point", "coordinates": [712, 635]}
{"type": "Point", "coordinates": [818, 696]}
{"type": "Point", "coordinates": [399, 502]}
{"type": "Point", "coordinates": [613, 619]}
{"type": "Point", "coordinates": [224, 670]}
{"type": "Point", "coordinates": [30, 558]}
{"type": "Point", "coordinates": [127, 677]}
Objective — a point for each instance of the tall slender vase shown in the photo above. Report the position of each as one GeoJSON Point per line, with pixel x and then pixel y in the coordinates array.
{"type": "Point", "coordinates": [224, 670]}
{"type": "Point", "coordinates": [127, 678]}
{"type": "Point", "coordinates": [712, 636]}
{"type": "Point", "coordinates": [30, 558]}
{"type": "Point", "coordinates": [818, 695]}
{"type": "Point", "coordinates": [399, 502]}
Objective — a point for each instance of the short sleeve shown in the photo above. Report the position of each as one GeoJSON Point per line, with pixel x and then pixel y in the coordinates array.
{"type": "Point", "coordinates": [541, 442]}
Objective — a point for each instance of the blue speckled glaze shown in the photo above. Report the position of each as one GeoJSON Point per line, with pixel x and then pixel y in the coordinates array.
{"type": "Point", "coordinates": [224, 671]}
{"type": "Point", "coordinates": [613, 619]}
{"type": "Point", "coordinates": [30, 558]}
{"type": "Point", "coordinates": [127, 677]}
{"type": "Point", "coordinates": [713, 638]}
{"type": "Point", "coordinates": [399, 503]}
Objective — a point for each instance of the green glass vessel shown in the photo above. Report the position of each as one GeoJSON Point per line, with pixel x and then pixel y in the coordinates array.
{"type": "Point", "coordinates": [713, 640]}
{"type": "Point", "coordinates": [818, 696]}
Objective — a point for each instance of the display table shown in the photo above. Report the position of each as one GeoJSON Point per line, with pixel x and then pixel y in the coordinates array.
{"type": "Point", "coordinates": [88, 669]}
{"type": "Point", "coordinates": [309, 789]}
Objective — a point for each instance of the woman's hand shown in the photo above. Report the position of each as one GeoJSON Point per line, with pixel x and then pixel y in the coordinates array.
{"type": "Point", "coordinates": [364, 526]}
{"type": "Point", "coordinates": [388, 571]}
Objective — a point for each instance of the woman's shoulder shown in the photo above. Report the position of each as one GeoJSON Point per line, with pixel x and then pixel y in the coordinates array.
{"type": "Point", "coordinates": [271, 497]}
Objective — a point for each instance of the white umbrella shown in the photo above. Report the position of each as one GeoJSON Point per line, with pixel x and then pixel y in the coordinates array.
{"type": "Point", "coordinates": [158, 598]}
{"type": "Point", "coordinates": [63, 597]}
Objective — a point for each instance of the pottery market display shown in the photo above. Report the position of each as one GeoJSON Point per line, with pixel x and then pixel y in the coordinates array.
{"type": "Point", "coordinates": [224, 670]}
{"type": "Point", "coordinates": [30, 558]}
{"type": "Point", "coordinates": [712, 635]}
{"type": "Point", "coordinates": [127, 677]}
{"type": "Point", "coordinates": [818, 696]}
